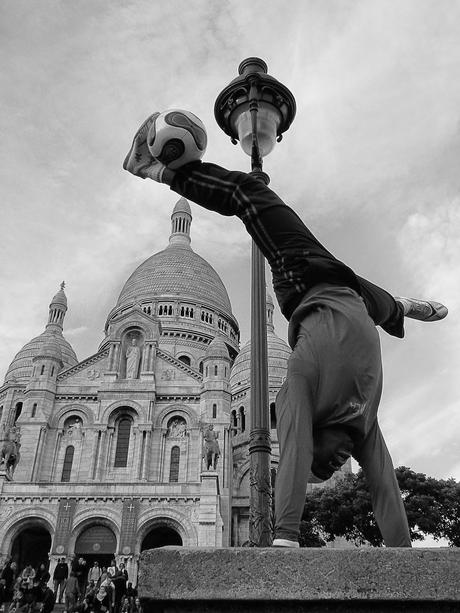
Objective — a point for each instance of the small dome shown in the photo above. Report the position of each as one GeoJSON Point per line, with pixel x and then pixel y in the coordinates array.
{"type": "Point", "coordinates": [60, 297]}
{"type": "Point", "coordinates": [182, 206]}
{"type": "Point", "coordinates": [50, 349]}
{"type": "Point", "coordinates": [217, 349]}
{"type": "Point", "coordinates": [278, 355]}
{"type": "Point", "coordinates": [21, 367]}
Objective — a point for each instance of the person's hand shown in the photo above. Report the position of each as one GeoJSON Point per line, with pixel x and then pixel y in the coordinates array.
{"type": "Point", "coordinates": [139, 160]}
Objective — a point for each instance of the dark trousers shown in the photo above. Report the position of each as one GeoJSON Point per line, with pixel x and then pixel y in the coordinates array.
{"type": "Point", "coordinates": [297, 259]}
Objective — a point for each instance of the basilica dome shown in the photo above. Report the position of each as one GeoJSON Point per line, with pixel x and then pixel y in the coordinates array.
{"type": "Point", "coordinates": [177, 271]}
{"type": "Point", "coordinates": [180, 287]}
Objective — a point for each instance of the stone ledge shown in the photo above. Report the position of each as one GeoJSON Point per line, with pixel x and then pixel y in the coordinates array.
{"type": "Point", "coordinates": [173, 579]}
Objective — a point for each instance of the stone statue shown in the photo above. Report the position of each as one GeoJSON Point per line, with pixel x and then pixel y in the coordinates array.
{"type": "Point", "coordinates": [211, 450]}
{"type": "Point", "coordinates": [10, 455]}
{"type": "Point", "coordinates": [74, 429]}
{"type": "Point", "coordinates": [133, 357]}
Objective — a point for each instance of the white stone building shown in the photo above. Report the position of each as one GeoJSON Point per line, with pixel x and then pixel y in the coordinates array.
{"type": "Point", "coordinates": [111, 446]}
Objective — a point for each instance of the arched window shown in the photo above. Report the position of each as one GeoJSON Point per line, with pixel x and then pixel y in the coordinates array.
{"type": "Point", "coordinates": [184, 359]}
{"type": "Point", "coordinates": [234, 421]}
{"type": "Point", "coordinates": [34, 410]}
{"type": "Point", "coordinates": [174, 466]}
{"type": "Point", "coordinates": [242, 419]}
{"type": "Point", "coordinates": [215, 370]}
{"type": "Point", "coordinates": [17, 412]}
{"type": "Point", "coordinates": [272, 416]}
{"type": "Point", "coordinates": [214, 411]}
{"type": "Point", "coordinates": [67, 466]}
{"type": "Point", "coordinates": [42, 372]}
{"type": "Point", "coordinates": [1, 412]}
{"type": "Point", "coordinates": [200, 367]}
{"type": "Point", "coordinates": [121, 451]}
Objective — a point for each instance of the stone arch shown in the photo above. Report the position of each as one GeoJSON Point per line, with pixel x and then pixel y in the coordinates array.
{"type": "Point", "coordinates": [21, 520]}
{"type": "Point", "coordinates": [132, 325]}
{"type": "Point", "coordinates": [241, 479]}
{"type": "Point", "coordinates": [243, 475]}
{"type": "Point", "coordinates": [149, 520]}
{"type": "Point", "coordinates": [82, 523]}
{"type": "Point", "coordinates": [186, 358]}
{"type": "Point", "coordinates": [135, 410]}
{"type": "Point", "coordinates": [182, 410]}
{"type": "Point", "coordinates": [79, 410]}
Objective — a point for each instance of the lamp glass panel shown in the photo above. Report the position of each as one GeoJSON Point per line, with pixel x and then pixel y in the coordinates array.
{"type": "Point", "coordinates": [268, 119]}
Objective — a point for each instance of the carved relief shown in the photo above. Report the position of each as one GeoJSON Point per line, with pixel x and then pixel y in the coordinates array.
{"type": "Point", "coordinates": [177, 428]}
{"type": "Point", "coordinates": [93, 374]}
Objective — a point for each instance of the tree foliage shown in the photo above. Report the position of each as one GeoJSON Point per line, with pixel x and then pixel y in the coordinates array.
{"type": "Point", "coordinates": [345, 510]}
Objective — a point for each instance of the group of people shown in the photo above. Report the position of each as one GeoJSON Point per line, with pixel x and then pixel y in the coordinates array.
{"type": "Point", "coordinates": [26, 591]}
{"type": "Point", "coordinates": [100, 589]}
{"type": "Point", "coordinates": [95, 589]}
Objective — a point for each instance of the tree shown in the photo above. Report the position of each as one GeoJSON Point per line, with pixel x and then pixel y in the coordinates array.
{"type": "Point", "coordinates": [345, 510]}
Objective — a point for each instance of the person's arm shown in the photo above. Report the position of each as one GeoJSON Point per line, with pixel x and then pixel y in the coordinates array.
{"type": "Point", "coordinates": [375, 460]}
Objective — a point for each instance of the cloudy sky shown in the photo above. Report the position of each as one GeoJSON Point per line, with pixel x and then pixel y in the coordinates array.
{"type": "Point", "coordinates": [371, 163]}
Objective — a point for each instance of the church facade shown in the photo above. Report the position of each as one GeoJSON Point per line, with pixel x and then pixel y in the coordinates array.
{"type": "Point", "coordinates": [110, 450]}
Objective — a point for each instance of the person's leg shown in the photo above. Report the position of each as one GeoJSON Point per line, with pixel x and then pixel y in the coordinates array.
{"type": "Point", "coordinates": [61, 589]}
{"type": "Point", "coordinates": [382, 307]}
{"type": "Point", "coordinates": [389, 511]}
{"type": "Point", "coordinates": [294, 412]}
{"type": "Point", "coordinates": [297, 259]}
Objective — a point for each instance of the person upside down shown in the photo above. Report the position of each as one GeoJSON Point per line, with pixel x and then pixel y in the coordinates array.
{"type": "Point", "coordinates": [327, 407]}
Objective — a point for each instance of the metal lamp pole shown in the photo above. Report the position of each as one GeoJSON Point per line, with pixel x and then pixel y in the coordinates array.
{"type": "Point", "coordinates": [256, 109]}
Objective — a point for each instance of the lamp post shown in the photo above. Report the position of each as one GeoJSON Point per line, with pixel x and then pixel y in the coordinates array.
{"type": "Point", "coordinates": [255, 109]}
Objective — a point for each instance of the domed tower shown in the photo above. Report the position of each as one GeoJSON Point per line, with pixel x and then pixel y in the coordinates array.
{"type": "Point", "coordinates": [184, 293]}
{"type": "Point", "coordinates": [240, 384]}
{"type": "Point", "coordinates": [21, 368]}
{"type": "Point", "coordinates": [34, 371]}
{"type": "Point", "coordinates": [216, 383]}
{"type": "Point", "coordinates": [42, 359]}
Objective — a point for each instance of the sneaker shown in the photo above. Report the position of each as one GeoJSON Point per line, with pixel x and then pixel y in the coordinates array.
{"type": "Point", "coordinates": [139, 160]}
{"type": "Point", "coordinates": [423, 310]}
{"type": "Point", "coordinates": [284, 543]}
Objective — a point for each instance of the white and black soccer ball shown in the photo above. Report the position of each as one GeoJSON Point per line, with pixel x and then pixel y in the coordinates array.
{"type": "Point", "coordinates": [177, 137]}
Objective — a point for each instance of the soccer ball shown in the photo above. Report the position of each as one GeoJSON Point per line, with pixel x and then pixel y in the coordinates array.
{"type": "Point", "coordinates": [177, 137]}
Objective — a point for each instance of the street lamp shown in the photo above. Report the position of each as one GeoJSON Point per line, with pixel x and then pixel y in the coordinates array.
{"type": "Point", "coordinates": [255, 109]}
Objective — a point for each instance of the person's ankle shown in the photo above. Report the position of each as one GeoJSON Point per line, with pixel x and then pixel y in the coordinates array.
{"type": "Point", "coordinates": [168, 176]}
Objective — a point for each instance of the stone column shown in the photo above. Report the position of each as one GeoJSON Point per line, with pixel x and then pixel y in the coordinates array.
{"type": "Point", "coordinates": [56, 454]}
{"type": "Point", "coordinates": [38, 457]}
